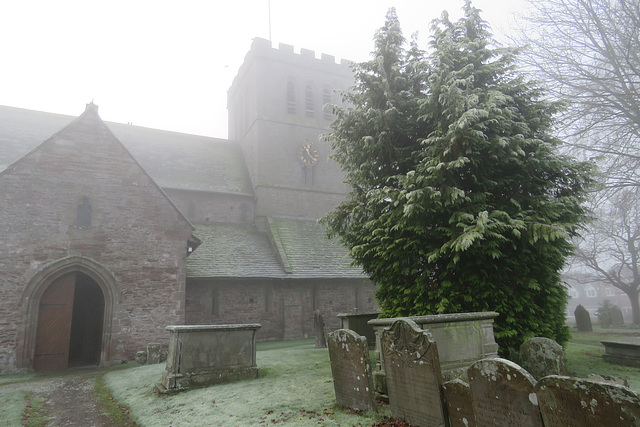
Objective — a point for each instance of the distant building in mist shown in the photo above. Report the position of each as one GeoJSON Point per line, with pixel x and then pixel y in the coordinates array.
{"type": "Point", "coordinates": [111, 232]}
{"type": "Point", "coordinates": [591, 294]}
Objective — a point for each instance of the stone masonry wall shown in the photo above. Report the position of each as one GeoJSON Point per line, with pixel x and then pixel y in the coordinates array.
{"type": "Point", "coordinates": [134, 233]}
{"type": "Point", "coordinates": [284, 308]}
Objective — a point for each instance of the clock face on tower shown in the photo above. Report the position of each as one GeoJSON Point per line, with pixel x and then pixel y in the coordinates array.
{"type": "Point", "coordinates": [308, 154]}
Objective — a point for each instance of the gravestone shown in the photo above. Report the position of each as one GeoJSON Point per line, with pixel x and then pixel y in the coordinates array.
{"type": "Point", "coordinates": [414, 380]}
{"type": "Point", "coordinates": [583, 319]}
{"type": "Point", "coordinates": [141, 357]}
{"type": "Point", "coordinates": [541, 357]}
{"type": "Point", "coordinates": [457, 396]}
{"type": "Point", "coordinates": [503, 394]}
{"type": "Point", "coordinates": [351, 370]}
{"type": "Point", "coordinates": [617, 319]}
{"type": "Point", "coordinates": [568, 401]}
{"type": "Point", "coordinates": [153, 353]}
{"type": "Point", "coordinates": [318, 324]}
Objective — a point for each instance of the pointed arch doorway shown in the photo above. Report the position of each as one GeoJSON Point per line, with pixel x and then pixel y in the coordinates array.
{"type": "Point", "coordinates": [69, 330]}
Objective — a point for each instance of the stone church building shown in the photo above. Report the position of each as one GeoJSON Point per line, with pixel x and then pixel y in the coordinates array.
{"type": "Point", "coordinates": [111, 232]}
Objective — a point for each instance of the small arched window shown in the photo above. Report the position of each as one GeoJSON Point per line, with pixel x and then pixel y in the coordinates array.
{"type": "Point", "coordinates": [83, 214]}
{"type": "Point", "coordinates": [291, 97]}
{"type": "Point", "coordinates": [308, 101]}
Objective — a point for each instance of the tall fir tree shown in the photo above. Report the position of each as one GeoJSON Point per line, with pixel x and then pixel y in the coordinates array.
{"type": "Point", "coordinates": [460, 201]}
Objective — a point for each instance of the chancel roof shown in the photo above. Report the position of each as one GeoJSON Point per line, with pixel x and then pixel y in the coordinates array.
{"type": "Point", "coordinates": [174, 160]}
{"type": "Point", "coordinates": [291, 248]}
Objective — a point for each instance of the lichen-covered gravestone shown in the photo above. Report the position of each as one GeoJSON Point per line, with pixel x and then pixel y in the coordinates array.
{"type": "Point", "coordinates": [457, 396]}
{"type": "Point", "coordinates": [583, 319]}
{"type": "Point", "coordinates": [351, 370]}
{"type": "Point", "coordinates": [577, 402]}
{"type": "Point", "coordinates": [541, 357]}
{"type": "Point", "coordinates": [414, 380]}
{"type": "Point", "coordinates": [617, 319]}
{"type": "Point", "coordinates": [503, 394]}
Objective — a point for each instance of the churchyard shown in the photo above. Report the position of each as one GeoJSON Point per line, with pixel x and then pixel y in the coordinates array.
{"type": "Point", "coordinates": [295, 388]}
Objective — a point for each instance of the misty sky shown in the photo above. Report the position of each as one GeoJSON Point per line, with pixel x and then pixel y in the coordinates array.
{"type": "Point", "coordinates": [168, 64]}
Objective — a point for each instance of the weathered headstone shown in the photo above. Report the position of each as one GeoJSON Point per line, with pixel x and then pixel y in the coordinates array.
{"type": "Point", "coordinates": [351, 370]}
{"type": "Point", "coordinates": [503, 394]}
{"type": "Point", "coordinates": [414, 380]}
{"type": "Point", "coordinates": [617, 319]}
{"type": "Point", "coordinates": [318, 324]}
{"type": "Point", "coordinates": [153, 353]}
{"type": "Point", "coordinates": [141, 357]}
{"type": "Point", "coordinates": [457, 396]}
{"type": "Point", "coordinates": [568, 401]}
{"type": "Point", "coordinates": [583, 319]}
{"type": "Point", "coordinates": [541, 357]}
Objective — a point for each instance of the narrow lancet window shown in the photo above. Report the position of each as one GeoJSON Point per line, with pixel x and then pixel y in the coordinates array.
{"type": "Point", "coordinates": [291, 98]}
{"type": "Point", "coordinates": [83, 216]}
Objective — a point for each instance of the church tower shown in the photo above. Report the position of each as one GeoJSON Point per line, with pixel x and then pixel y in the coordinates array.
{"type": "Point", "coordinates": [277, 113]}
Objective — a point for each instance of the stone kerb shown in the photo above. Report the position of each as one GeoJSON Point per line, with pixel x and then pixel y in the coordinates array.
{"type": "Point", "coordinates": [568, 401]}
{"type": "Point", "coordinates": [413, 376]}
{"type": "Point", "coordinates": [201, 355]}
{"type": "Point", "coordinates": [503, 394]}
{"type": "Point", "coordinates": [351, 370]}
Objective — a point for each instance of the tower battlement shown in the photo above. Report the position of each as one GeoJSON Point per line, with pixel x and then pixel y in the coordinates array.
{"type": "Point", "coordinates": [262, 46]}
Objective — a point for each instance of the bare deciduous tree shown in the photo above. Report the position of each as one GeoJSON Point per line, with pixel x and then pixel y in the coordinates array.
{"type": "Point", "coordinates": [588, 52]}
{"type": "Point", "coordinates": [611, 249]}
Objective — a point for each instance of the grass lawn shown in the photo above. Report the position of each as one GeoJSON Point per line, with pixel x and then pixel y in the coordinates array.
{"type": "Point", "coordinates": [584, 355]}
{"type": "Point", "coordinates": [295, 389]}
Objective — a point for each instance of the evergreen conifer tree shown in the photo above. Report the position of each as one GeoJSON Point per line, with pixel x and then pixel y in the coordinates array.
{"type": "Point", "coordinates": [460, 201]}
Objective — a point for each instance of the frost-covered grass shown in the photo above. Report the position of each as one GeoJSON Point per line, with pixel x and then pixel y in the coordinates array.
{"type": "Point", "coordinates": [294, 388]}
{"type": "Point", "coordinates": [13, 407]}
{"type": "Point", "coordinates": [584, 355]}
{"type": "Point", "coordinates": [19, 398]}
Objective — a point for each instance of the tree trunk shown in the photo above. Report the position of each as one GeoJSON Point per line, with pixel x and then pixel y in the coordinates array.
{"type": "Point", "coordinates": [635, 306]}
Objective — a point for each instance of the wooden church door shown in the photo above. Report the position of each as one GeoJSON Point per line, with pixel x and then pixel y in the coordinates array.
{"type": "Point", "coordinates": [54, 325]}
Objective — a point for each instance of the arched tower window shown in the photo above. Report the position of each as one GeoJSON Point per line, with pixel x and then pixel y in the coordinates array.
{"type": "Point", "coordinates": [326, 101]}
{"type": "Point", "coordinates": [83, 215]}
{"type": "Point", "coordinates": [308, 101]}
{"type": "Point", "coordinates": [291, 97]}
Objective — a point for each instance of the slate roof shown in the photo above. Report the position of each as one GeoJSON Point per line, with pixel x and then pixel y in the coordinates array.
{"type": "Point", "coordinates": [174, 160]}
{"type": "Point", "coordinates": [233, 251]}
{"type": "Point", "coordinates": [293, 248]}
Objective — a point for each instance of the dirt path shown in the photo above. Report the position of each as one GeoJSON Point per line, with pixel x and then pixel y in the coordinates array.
{"type": "Point", "coordinates": [70, 399]}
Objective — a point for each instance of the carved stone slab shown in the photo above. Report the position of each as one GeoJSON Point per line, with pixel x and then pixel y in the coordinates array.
{"type": "Point", "coordinates": [351, 370]}
{"type": "Point", "coordinates": [577, 402]}
{"type": "Point", "coordinates": [503, 394]}
{"type": "Point", "coordinates": [414, 380]}
{"type": "Point", "coordinates": [457, 395]}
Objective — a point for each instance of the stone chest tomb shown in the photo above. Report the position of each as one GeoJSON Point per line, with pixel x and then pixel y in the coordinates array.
{"type": "Point", "coordinates": [462, 339]}
{"type": "Point", "coordinates": [201, 355]}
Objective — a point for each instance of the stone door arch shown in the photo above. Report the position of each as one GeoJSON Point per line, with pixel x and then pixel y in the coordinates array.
{"type": "Point", "coordinates": [68, 310]}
